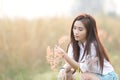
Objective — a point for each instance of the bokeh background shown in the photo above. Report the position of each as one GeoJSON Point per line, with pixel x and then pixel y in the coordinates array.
{"type": "Point", "coordinates": [27, 27]}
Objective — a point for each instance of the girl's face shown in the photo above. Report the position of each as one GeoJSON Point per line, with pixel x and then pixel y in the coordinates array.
{"type": "Point", "coordinates": [79, 31]}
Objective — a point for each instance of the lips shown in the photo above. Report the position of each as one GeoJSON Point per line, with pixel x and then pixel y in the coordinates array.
{"type": "Point", "coordinates": [76, 36]}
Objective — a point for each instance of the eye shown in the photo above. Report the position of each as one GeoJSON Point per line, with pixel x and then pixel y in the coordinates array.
{"type": "Point", "coordinates": [80, 29]}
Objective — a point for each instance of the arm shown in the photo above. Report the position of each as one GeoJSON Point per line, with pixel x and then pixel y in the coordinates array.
{"type": "Point", "coordinates": [68, 59]}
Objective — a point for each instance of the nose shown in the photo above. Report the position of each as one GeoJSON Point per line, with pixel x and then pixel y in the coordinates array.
{"type": "Point", "coordinates": [75, 32]}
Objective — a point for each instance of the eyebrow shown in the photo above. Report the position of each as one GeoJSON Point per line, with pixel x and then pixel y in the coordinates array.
{"type": "Point", "coordinates": [79, 27]}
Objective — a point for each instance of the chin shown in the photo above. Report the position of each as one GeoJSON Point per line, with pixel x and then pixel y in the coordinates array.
{"type": "Point", "coordinates": [77, 39]}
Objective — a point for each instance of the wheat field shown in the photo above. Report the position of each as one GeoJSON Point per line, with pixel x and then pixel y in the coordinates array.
{"type": "Point", "coordinates": [23, 45]}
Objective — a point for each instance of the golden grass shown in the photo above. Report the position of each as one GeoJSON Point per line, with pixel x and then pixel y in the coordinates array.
{"type": "Point", "coordinates": [23, 43]}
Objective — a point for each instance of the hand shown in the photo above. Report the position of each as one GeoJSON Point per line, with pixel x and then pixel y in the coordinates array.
{"type": "Point", "coordinates": [59, 51]}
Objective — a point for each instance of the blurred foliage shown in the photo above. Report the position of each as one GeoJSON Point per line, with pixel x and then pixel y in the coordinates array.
{"type": "Point", "coordinates": [23, 44]}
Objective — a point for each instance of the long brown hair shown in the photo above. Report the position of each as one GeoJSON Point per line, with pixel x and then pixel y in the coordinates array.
{"type": "Point", "coordinates": [91, 37]}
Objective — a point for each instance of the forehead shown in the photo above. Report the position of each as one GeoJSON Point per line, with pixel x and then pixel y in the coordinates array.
{"type": "Point", "coordinates": [78, 24]}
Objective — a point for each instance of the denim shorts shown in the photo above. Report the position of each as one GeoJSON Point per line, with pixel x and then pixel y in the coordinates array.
{"type": "Point", "coordinates": [110, 76]}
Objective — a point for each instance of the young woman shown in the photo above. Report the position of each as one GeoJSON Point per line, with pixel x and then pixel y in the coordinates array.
{"type": "Point", "coordinates": [86, 52]}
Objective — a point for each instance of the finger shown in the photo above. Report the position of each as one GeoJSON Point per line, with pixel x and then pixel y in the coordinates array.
{"type": "Point", "coordinates": [61, 50]}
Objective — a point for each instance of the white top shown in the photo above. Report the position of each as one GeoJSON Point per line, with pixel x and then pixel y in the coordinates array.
{"type": "Point", "coordinates": [90, 63]}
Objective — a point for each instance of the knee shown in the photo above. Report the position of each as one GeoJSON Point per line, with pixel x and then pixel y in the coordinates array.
{"type": "Point", "coordinates": [65, 75]}
{"type": "Point", "coordinates": [61, 74]}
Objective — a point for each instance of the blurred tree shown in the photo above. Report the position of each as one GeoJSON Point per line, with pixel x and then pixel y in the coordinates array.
{"type": "Point", "coordinates": [111, 9]}
{"type": "Point", "coordinates": [88, 6]}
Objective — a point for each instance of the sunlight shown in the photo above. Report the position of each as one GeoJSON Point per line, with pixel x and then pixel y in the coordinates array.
{"type": "Point", "coordinates": [45, 8]}
{"type": "Point", "coordinates": [34, 8]}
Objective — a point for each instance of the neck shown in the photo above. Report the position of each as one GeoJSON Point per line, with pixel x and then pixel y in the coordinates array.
{"type": "Point", "coordinates": [83, 43]}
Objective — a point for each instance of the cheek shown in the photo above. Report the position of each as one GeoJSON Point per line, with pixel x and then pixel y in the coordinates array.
{"type": "Point", "coordinates": [83, 34]}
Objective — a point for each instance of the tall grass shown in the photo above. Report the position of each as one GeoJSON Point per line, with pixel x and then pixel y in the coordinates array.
{"type": "Point", "coordinates": [23, 45]}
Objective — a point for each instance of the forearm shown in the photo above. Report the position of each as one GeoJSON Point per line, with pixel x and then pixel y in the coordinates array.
{"type": "Point", "coordinates": [71, 62]}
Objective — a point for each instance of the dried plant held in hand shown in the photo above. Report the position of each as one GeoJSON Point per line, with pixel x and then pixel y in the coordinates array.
{"type": "Point", "coordinates": [49, 55]}
{"type": "Point", "coordinates": [52, 59]}
{"type": "Point", "coordinates": [62, 40]}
